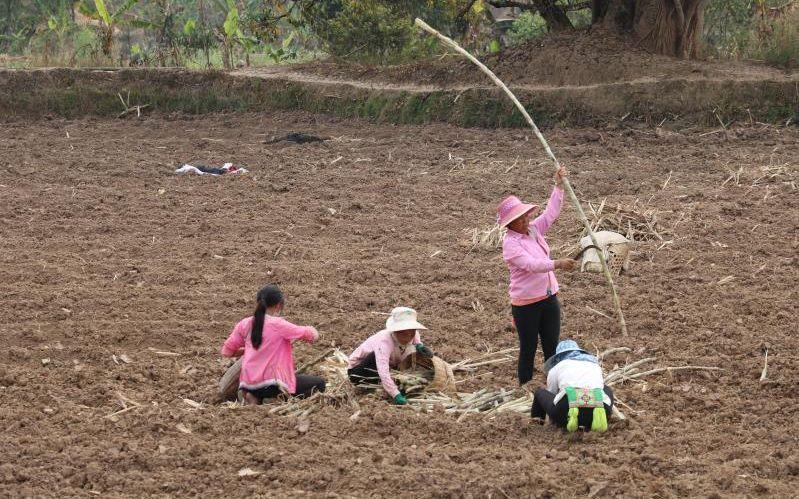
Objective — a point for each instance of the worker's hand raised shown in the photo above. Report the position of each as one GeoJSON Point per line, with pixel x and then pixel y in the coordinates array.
{"type": "Point", "coordinates": [565, 264]}
{"type": "Point", "coordinates": [560, 175]}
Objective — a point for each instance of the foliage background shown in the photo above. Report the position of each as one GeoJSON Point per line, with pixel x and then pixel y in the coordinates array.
{"type": "Point", "coordinates": [229, 33]}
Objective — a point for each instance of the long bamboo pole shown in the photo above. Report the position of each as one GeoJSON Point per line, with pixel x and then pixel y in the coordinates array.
{"type": "Point", "coordinates": [566, 184]}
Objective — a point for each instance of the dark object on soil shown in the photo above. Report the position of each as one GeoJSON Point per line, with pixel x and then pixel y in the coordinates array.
{"type": "Point", "coordinates": [296, 137]}
{"type": "Point", "coordinates": [215, 171]}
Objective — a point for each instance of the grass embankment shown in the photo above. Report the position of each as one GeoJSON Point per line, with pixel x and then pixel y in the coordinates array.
{"type": "Point", "coordinates": [71, 93]}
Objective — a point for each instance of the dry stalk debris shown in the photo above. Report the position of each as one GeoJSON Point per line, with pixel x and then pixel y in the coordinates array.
{"type": "Point", "coordinates": [484, 402]}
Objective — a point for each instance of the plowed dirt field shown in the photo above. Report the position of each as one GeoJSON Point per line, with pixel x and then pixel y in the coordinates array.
{"type": "Point", "coordinates": [107, 253]}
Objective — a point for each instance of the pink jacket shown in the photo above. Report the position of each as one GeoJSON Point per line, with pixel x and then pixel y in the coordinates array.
{"type": "Point", "coordinates": [388, 353]}
{"type": "Point", "coordinates": [273, 362]}
{"type": "Point", "coordinates": [527, 256]}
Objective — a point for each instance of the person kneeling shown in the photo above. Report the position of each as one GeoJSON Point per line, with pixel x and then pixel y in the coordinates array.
{"type": "Point", "coordinates": [265, 341]}
{"type": "Point", "coordinates": [374, 358]}
{"type": "Point", "coordinates": [576, 395]}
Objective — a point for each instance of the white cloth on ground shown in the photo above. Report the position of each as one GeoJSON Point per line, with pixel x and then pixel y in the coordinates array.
{"type": "Point", "coordinates": [193, 169]}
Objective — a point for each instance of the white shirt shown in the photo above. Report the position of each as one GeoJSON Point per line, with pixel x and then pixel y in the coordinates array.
{"type": "Point", "coordinates": [576, 373]}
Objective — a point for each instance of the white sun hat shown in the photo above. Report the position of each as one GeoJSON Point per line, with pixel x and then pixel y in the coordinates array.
{"type": "Point", "coordinates": [401, 319]}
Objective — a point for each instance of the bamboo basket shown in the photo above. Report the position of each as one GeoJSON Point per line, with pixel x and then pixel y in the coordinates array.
{"type": "Point", "coordinates": [229, 384]}
{"type": "Point", "coordinates": [436, 370]}
{"type": "Point", "coordinates": [615, 249]}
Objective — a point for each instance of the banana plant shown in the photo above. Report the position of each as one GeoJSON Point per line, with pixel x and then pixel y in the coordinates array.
{"type": "Point", "coordinates": [58, 24]}
{"type": "Point", "coordinates": [231, 34]}
{"type": "Point", "coordinates": [108, 21]}
{"type": "Point", "coordinates": [284, 52]}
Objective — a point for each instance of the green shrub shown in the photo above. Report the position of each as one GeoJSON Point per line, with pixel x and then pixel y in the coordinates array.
{"type": "Point", "coordinates": [378, 31]}
{"type": "Point", "coordinates": [728, 29]}
{"type": "Point", "coordinates": [527, 26]}
{"type": "Point", "coordinates": [739, 28]}
{"type": "Point", "coordinates": [580, 18]}
{"type": "Point", "coordinates": [362, 29]}
{"type": "Point", "coordinates": [781, 46]}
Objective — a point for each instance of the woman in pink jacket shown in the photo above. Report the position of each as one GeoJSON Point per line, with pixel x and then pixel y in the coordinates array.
{"type": "Point", "coordinates": [373, 359]}
{"type": "Point", "coordinates": [533, 287]}
{"type": "Point", "coordinates": [265, 340]}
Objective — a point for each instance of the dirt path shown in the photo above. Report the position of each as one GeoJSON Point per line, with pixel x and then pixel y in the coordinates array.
{"type": "Point", "coordinates": [312, 77]}
{"type": "Point", "coordinates": [106, 253]}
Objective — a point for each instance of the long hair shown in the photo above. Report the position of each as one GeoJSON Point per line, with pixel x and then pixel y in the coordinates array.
{"type": "Point", "coordinates": [269, 296]}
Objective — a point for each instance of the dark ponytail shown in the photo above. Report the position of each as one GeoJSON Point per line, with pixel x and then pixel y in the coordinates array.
{"type": "Point", "coordinates": [269, 296]}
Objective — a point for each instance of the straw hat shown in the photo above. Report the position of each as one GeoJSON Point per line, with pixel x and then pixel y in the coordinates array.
{"type": "Point", "coordinates": [512, 208]}
{"type": "Point", "coordinates": [402, 319]}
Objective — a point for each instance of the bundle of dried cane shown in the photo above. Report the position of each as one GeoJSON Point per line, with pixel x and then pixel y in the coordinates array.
{"type": "Point", "coordinates": [636, 222]}
{"type": "Point", "coordinates": [488, 238]}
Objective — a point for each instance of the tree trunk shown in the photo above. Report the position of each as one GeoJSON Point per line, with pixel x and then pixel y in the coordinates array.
{"type": "Point", "coordinates": [106, 39]}
{"type": "Point", "coordinates": [671, 27]}
{"type": "Point", "coordinates": [201, 7]}
{"type": "Point", "coordinates": [598, 10]}
{"type": "Point", "coordinates": [554, 15]}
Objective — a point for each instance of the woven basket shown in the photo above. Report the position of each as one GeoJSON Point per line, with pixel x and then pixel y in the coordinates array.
{"type": "Point", "coordinates": [229, 384]}
{"type": "Point", "coordinates": [615, 248]}
{"type": "Point", "coordinates": [440, 372]}
{"type": "Point", "coordinates": [443, 378]}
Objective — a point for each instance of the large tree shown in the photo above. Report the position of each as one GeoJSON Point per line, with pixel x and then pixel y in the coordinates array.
{"type": "Point", "coordinates": [671, 27]}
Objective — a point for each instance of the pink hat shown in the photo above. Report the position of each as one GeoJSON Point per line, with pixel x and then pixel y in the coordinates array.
{"type": "Point", "coordinates": [512, 208]}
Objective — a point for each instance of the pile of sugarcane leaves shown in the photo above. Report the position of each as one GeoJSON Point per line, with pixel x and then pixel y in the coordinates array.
{"type": "Point", "coordinates": [485, 403]}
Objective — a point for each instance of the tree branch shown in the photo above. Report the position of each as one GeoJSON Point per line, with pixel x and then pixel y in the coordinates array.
{"type": "Point", "coordinates": [529, 6]}
{"type": "Point", "coordinates": [466, 8]}
{"type": "Point", "coordinates": [680, 13]}
{"type": "Point", "coordinates": [511, 3]}
{"type": "Point", "coordinates": [682, 29]}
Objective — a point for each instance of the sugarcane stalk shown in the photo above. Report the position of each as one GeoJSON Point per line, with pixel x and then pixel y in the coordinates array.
{"type": "Point", "coordinates": [566, 184]}
{"type": "Point", "coordinates": [673, 369]}
{"type": "Point", "coordinates": [485, 356]}
{"type": "Point", "coordinates": [469, 367]}
{"type": "Point", "coordinates": [611, 351]}
{"type": "Point", "coordinates": [624, 372]}
{"type": "Point", "coordinates": [319, 358]}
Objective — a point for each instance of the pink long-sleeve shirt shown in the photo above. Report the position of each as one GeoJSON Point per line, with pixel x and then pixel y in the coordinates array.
{"type": "Point", "coordinates": [273, 362]}
{"type": "Point", "coordinates": [527, 256]}
{"type": "Point", "coordinates": [388, 353]}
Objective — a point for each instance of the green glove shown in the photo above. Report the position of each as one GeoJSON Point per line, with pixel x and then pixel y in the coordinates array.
{"type": "Point", "coordinates": [400, 399]}
{"type": "Point", "coordinates": [424, 351]}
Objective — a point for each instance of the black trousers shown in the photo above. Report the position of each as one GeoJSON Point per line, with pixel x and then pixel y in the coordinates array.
{"type": "Point", "coordinates": [544, 405]}
{"type": "Point", "coordinates": [306, 385]}
{"type": "Point", "coordinates": [365, 372]}
{"type": "Point", "coordinates": [537, 319]}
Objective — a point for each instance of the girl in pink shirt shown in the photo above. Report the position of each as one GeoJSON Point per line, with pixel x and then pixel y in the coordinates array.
{"type": "Point", "coordinates": [265, 341]}
{"type": "Point", "coordinates": [533, 287]}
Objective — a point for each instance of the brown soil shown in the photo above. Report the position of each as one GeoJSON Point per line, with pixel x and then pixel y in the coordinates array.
{"type": "Point", "coordinates": [569, 59]}
{"type": "Point", "coordinates": [105, 252]}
